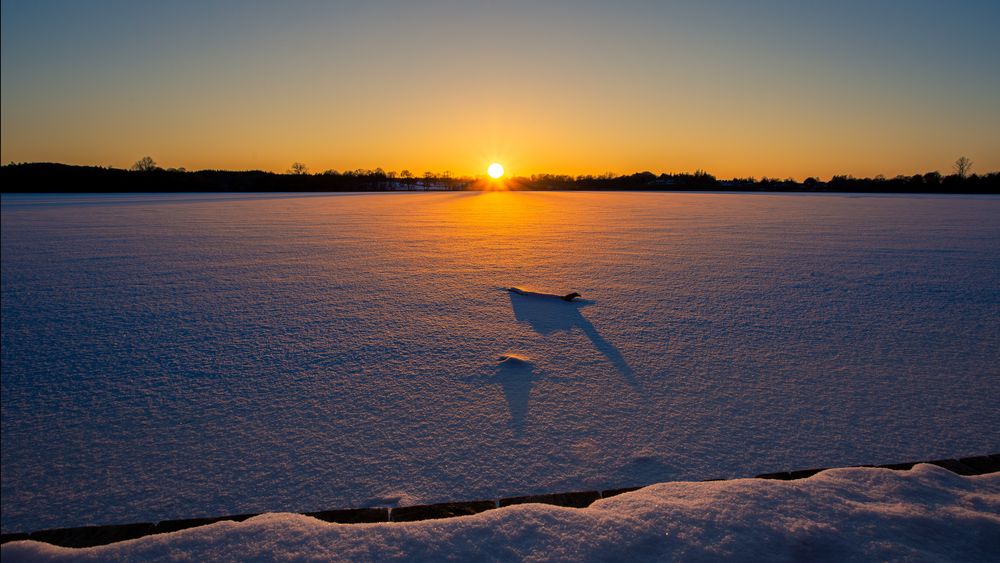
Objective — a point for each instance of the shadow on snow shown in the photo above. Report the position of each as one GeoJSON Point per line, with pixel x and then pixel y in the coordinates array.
{"type": "Point", "coordinates": [546, 316]}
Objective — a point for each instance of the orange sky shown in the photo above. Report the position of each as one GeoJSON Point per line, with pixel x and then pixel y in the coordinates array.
{"type": "Point", "coordinates": [557, 87]}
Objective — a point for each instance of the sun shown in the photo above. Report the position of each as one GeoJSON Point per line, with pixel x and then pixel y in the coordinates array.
{"type": "Point", "coordinates": [495, 170]}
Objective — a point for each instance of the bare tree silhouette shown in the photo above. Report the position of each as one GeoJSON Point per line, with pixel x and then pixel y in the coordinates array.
{"type": "Point", "coordinates": [298, 169]}
{"type": "Point", "coordinates": [962, 166]}
{"type": "Point", "coordinates": [145, 164]}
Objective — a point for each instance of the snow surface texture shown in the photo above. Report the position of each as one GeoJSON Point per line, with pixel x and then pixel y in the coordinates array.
{"type": "Point", "coordinates": [927, 514]}
{"type": "Point", "coordinates": [186, 356]}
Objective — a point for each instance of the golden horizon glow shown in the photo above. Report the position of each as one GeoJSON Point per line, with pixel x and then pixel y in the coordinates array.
{"type": "Point", "coordinates": [495, 170]}
{"type": "Point", "coordinates": [87, 88]}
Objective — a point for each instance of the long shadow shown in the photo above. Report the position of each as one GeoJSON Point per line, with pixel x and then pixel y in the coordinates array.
{"type": "Point", "coordinates": [547, 315]}
{"type": "Point", "coordinates": [517, 377]}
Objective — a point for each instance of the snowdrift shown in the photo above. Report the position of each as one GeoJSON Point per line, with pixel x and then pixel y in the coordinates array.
{"type": "Point", "coordinates": [859, 514]}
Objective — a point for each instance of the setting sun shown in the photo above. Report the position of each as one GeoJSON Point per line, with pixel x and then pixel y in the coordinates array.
{"type": "Point", "coordinates": [495, 170]}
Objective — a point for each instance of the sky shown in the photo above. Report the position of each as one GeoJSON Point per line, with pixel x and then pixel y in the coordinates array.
{"type": "Point", "coordinates": [778, 88]}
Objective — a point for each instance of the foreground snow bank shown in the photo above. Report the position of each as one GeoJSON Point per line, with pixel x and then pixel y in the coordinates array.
{"type": "Point", "coordinates": [841, 514]}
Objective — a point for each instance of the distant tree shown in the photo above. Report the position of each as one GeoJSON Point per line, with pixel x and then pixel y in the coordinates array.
{"type": "Point", "coordinates": [962, 167]}
{"type": "Point", "coordinates": [406, 174]}
{"type": "Point", "coordinates": [145, 164]}
{"type": "Point", "coordinates": [704, 178]}
{"type": "Point", "coordinates": [298, 169]}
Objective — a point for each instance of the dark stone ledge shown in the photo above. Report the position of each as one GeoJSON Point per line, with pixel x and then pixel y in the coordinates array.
{"type": "Point", "coordinates": [581, 499]}
{"type": "Point", "coordinates": [166, 526]}
{"type": "Point", "coordinates": [443, 510]}
{"type": "Point", "coordinates": [984, 463]}
{"type": "Point", "coordinates": [352, 516]}
{"type": "Point", "coordinates": [89, 536]}
{"type": "Point", "coordinates": [615, 492]}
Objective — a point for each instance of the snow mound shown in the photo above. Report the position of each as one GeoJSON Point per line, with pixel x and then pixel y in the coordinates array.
{"type": "Point", "coordinates": [513, 360]}
{"type": "Point", "coordinates": [858, 514]}
{"type": "Point", "coordinates": [569, 296]}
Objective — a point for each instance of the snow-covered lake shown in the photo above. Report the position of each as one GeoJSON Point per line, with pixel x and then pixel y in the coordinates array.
{"type": "Point", "coordinates": [173, 356]}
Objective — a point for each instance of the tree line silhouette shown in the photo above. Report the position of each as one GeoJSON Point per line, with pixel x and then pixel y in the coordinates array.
{"type": "Point", "coordinates": [146, 176]}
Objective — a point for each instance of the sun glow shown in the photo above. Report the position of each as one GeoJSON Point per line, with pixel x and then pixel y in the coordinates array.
{"type": "Point", "coordinates": [495, 170]}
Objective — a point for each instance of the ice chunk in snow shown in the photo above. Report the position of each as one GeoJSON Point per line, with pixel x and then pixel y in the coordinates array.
{"type": "Point", "coordinates": [512, 360]}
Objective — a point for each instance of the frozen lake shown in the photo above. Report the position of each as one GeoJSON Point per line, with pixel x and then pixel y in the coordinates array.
{"type": "Point", "coordinates": [173, 356]}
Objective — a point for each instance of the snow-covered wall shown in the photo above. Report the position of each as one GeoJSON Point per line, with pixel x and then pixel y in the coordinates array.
{"type": "Point", "coordinates": [860, 514]}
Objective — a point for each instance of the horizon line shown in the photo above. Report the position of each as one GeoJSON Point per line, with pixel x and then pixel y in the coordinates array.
{"type": "Point", "coordinates": [152, 166]}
